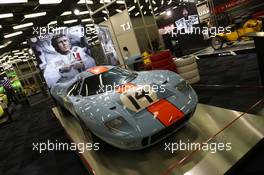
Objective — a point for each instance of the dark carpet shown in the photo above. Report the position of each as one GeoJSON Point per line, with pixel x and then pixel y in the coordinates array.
{"type": "Point", "coordinates": [228, 72]}
{"type": "Point", "coordinates": [35, 125]}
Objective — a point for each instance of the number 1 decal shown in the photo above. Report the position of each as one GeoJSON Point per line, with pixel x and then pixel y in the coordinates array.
{"type": "Point", "coordinates": [138, 96]}
{"type": "Point", "coordinates": [138, 99]}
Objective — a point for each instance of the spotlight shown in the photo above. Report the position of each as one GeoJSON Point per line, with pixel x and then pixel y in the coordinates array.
{"type": "Point", "coordinates": [169, 13]}
{"type": "Point", "coordinates": [76, 11]}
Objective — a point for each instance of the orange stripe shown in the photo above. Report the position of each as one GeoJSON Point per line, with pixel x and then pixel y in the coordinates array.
{"type": "Point", "coordinates": [97, 70]}
{"type": "Point", "coordinates": [125, 87]}
{"type": "Point", "coordinates": [166, 112]}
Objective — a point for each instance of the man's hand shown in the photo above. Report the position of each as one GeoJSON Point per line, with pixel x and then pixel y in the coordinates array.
{"type": "Point", "coordinates": [65, 68]}
{"type": "Point", "coordinates": [78, 65]}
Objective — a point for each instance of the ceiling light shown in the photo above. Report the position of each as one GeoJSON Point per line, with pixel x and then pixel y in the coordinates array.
{"type": "Point", "coordinates": [89, 25]}
{"type": "Point", "coordinates": [19, 53]}
{"type": "Point", "coordinates": [105, 18]}
{"type": "Point", "coordinates": [156, 8]}
{"type": "Point", "coordinates": [137, 14]}
{"type": "Point", "coordinates": [162, 2]}
{"type": "Point", "coordinates": [131, 8]}
{"type": "Point", "coordinates": [76, 11]}
{"type": "Point", "coordinates": [105, 1]}
{"type": "Point", "coordinates": [1, 26]}
{"type": "Point", "coordinates": [169, 13]}
{"type": "Point", "coordinates": [21, 57]}
{"type": "Point", "coordinates": [70, 21]}
{"type": "Point", "coordinates": [169, 2]}
{"type": "Point", "coordinates": [52, 23]}
{"type": "Point", "coordinates": [154, 2]}
{"type": "Point", "coordinates": [162, 13]}
{"type": "Point", "coordinates": [66, 13]}
{"type": "Point", "coordinates": [34, 15]}
{"type": "Point", "coordinates": [83, 2]}
{"type": "Point", "coordinates": [87, 20]}
{"type": "Point", "coordinates": [6, 15]}
{"type": "Point", "coordinates": [12, 1]}
{"type": "Point", "coordinates": [120, 2]}
{"type": "Point", "coordinates": [13, 34]}
{"type": "Point", "coordinates": [104, 11]}
{"type": "Point", "coordinates": [6, 44]}
{"type": "Point", "coordinates": [15, 51]}
{"type": "Point", "coordinates": [49, 1]}
{"type": "Point", "coordinates": [119, 11]}
{"type": "Point", "coordinates": [23, 25]}
{"type": "Point", "coordinates": [84, 12]}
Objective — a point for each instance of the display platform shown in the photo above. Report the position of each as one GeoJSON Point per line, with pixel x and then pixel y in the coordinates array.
{"type": "Point", "coordinates": [237, 48]}
{"type": "Point", "coordinates": [209, 124]}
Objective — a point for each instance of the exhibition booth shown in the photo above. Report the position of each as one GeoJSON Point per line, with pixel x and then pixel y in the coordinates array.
{"type": "Point", "coordinates": [139, 87]}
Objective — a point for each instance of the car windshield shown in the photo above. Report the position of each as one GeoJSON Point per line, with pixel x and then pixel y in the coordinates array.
{"type": "Point", "coordinates": [106, 81]}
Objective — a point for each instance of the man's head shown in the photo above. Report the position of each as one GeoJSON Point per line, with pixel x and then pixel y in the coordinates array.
{"type": "Point", "coordinates": [185, 12]}
{"type": "Point", "coordinates": [61, 44]}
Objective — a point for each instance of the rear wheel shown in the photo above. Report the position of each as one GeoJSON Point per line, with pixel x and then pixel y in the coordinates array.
{"type": "Point", "coordinates": [217, 43]}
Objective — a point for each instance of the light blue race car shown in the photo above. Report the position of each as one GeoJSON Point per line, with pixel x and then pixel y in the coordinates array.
{"type": "Point", "coordinates": [129, 110]}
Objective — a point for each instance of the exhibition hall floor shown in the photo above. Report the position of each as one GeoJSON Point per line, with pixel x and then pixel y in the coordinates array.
{"type": "Point", "coordinates": [209, 125]}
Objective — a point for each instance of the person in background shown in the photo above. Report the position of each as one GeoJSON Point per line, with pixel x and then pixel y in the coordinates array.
{"type": "Point", "coordinates": [10, 93]}
{"type": "Point", "coordinates": [126, 52]}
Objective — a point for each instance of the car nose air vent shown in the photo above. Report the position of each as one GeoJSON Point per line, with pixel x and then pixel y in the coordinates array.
{"type": "Point", "coordinates": [165, 82]}
{"type": "Point", "coordinates": [113, 108]}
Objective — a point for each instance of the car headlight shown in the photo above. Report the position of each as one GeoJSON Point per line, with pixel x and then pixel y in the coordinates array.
{"type": "Point", "coordinates": [182, 86]}
{"type": "Point", "coordinates": [115, 124]}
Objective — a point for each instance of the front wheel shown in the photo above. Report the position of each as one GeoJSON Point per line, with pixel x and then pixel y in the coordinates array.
{"type": "Point", "coordinates": [217, 43]}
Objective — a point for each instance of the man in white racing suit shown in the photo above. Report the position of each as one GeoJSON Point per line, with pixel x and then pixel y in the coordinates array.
{"type": "Point", "coordinates": [67, 63]}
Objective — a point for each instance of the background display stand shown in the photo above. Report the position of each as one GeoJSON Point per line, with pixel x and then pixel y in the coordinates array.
{"type": "Point", "coordinates": [259, 39]}
{"type": "Point", "coordinates": [209, 124]}
{"type": "Point", "coordinates": [32, 83]}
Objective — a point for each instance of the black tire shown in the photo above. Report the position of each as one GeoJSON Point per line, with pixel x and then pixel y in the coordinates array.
{"type": "Point", "coordinates": [217, 43]}
{"type": "Point", "coordinates": [230, 43]}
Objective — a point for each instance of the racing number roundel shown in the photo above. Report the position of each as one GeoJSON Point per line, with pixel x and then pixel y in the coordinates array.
{"type": "Point", "coordinates": [138, 98]}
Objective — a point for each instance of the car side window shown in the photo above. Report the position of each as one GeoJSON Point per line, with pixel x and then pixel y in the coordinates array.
{"type": "Point", "coordinates": [91, 85]}
{"type": "Point", "coordinates": [85, 90]}
{"type": "Point", "coordinates": [74, 90]}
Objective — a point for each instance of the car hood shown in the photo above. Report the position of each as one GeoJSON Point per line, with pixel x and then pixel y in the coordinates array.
{"type": "Point", "coordinates": [108, 106]}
